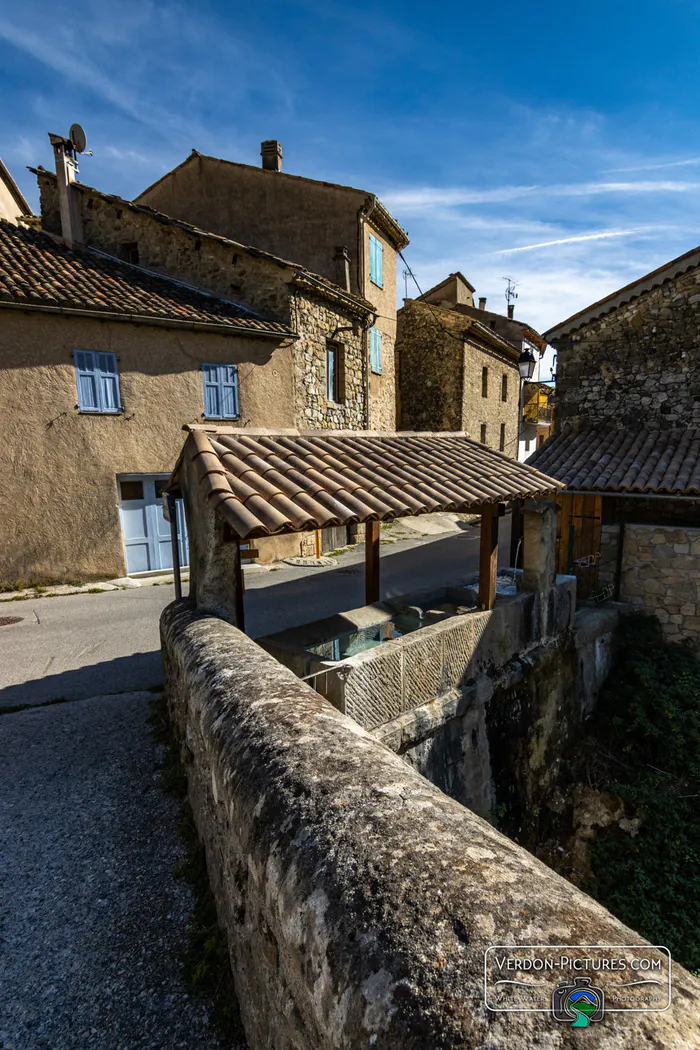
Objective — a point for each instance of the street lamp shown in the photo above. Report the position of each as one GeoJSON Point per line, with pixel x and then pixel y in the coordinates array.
{"type": "Point", "coordinates": [526, 367]}
{"type": "Point", "coordinates": [526, 364]}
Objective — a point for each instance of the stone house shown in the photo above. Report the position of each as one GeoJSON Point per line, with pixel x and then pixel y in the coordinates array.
{"type": "Point", "coordinates": [103, 361]}
{"type": "Point", "coordinates": [341, 233]}
{"type": "Point", "coordinates": [13, 205]}
{"type": "Point", "coordinates": [627, 445]}
{"type": "Point", "coordinates": [456, 370]}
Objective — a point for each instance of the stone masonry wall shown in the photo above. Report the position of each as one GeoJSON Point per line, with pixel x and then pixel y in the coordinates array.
{"type": "Point", "coordinates": [358, 900]}
{"type": "Point", "coordinates": [639, 365]}
{"type": "Point", "coordinates": [661, 574]}
{"type": "Point", "coordinates": [247, 277]}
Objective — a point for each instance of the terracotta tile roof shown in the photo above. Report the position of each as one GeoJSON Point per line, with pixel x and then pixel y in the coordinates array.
{"type": "Point", "coordinates": [36, 270]}
{"type": "Point", "coordinates": [645, 461]}
{"type": "Point", "coordinates": [266, 482]}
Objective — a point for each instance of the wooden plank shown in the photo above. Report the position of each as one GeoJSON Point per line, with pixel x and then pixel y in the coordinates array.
{"type": "Point", "coordinates": [488, 557]}
{"type": "Point", "coordinates": [248, 553]}
{"type": "Point", "coordinates": [372, 530]}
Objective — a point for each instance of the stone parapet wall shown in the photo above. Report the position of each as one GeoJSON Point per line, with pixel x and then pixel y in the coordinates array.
{"type": "Point", "coordinates": [358, 900]}
{"type": "Point", "coordinates": [661, 574]}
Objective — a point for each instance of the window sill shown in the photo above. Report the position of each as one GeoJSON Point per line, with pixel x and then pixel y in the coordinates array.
{"type": "Point", "coordinates": [101, 411]}
{"type": "Point", "coordinates": [376, 283]}
{"type": "Point", "coordinates": [222, 419]}
{"type": "Point", "coordinates": [377, 372]}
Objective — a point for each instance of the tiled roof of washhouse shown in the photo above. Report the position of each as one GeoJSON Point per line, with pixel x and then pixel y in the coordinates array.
{"type": "Point", "coordinates": [267, 482]}
{"type": "Point", "coordinates": [38, 271]}
{"type": "Point", "coordinates": [652, 462]}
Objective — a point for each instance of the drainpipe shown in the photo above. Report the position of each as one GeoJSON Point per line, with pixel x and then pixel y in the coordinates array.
{"type": "Point", "coordinates": [362, 215]}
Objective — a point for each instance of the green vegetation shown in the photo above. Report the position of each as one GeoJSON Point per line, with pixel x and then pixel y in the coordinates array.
{"type": "Point", "coordinates": [206, 965]}
{"type": "Point", "coordinates": [648, 727]}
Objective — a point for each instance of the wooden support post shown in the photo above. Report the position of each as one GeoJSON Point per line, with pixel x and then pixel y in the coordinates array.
{"type": "Point", "coordinates": [516, 535]}
{"type": "Point", "coordinates": [372, 529]}
{"type": "Point", "coordinates": [240, 589]}
{"type": "Point", "coordinates": [488, 556]}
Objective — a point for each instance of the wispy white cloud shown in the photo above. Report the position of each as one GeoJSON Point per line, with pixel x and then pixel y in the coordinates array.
{"type": "Point", "coordinates": [600, 236]}
{"type": "Point", "coordinates": [657, 165]}
{"type": "Point", "coordinates": [430, 197]}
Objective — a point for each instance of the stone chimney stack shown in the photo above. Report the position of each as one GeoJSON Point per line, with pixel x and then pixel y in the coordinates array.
{"type": "Point", "coordinates": [271, 153]}
{"type": "Point", "coordinates": [342, 268]}
{"type": "Point", "coordinates": [511, 309]}
{"type": "Point", "coordinates": [482, 302]}
{"type": "Point", "coordinates": [68, 201]}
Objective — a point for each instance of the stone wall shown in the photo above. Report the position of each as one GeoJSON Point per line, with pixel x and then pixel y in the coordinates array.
{"type": "Point", "coordinates": [248, 277]}
{"type": "Point", "coordinates": [638, 365]}
{"type": "Point", "coordinates": [660, 574]}
{"type": "Point", "coordinates": [358, 900]}
{"type": "Point", "coordinates": [441, 361]}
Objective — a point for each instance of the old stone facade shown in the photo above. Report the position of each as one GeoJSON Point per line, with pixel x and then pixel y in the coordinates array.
{"type": "Point", "coordinates": [660, 573]}
{"type": "Point", "coordinates": [302, 219]}
{"type": "Point", "coordinates": [317, 311]}
{"type": "Point", "coordinates": [457, 374]}
{"type": "Point", "coordinates": [636, 365]}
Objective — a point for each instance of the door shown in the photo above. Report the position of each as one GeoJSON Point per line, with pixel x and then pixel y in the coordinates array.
{"type": "Point", "coordinates": [146, 533]}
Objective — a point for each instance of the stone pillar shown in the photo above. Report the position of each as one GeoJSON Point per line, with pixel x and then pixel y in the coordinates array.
{"type": "Point", "coordinates": [539, 557]}
{"type": "Point", "coordinates": [216, 579]}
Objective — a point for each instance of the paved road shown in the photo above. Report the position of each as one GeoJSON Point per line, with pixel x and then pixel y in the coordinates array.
{"type": "Point", "coordinates": [86, 645]}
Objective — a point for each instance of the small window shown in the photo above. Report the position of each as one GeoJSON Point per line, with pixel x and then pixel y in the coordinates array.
{"type": "Point", "coordinates": [332, 371]}
{"type": "Point", "coordinates": [375, 346]}
{"type": "Point", "coordinates": [131, 490]}
{"type": "Point", "coordinates": [504, 387]}
{"type": "Point", "coordinates": [540, 440]}
{"type": "Point", "coordinates": [97, 381]}
{"type": "Point", "coordinates": [129, 252]}
{"type": "Point", "coordinates": [220, 391]}
{"type": "Point", "coordinates": [528, 442]}
{"type": "Point", "coordinates": [484, 382]}
{"type": "Point", "coordinates": [376, 261]}
{"type": "Point", "coordinates": [483, 433]}
{"type": "Point", "coordinates": [502, 442]}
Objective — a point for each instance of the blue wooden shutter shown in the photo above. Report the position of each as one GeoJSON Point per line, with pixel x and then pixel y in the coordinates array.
{"type": "Point", "coordinates": [229, 391]}
{"type": "Point", "coordinates": [376, 350]}
{"type": "Point", "coordinates": [107, 382]}
{"type": "Point", "coordinates": [86, 380]}
{"type": "Point", "coordinates": [210, 379]}
{"type": "Point", "coordinates": [376, 261]}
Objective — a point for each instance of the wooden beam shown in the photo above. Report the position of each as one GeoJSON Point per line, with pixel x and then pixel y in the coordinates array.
{"type": "Point", "coordinates": [372, 529]}
{"type": "Point", "coordinates": [488, 556]}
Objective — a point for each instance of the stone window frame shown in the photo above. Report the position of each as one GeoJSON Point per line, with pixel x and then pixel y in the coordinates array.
{"type": "Point", "coordinates": [483, 434]}
{"type": "Point", "coordinates": [504, 387]}
{"type": "Point", "coordinates": [335, 350]}
{"type": "Point", "coordinates": [502, 441]}
{"type": "Point", "coordinates": [485, 381]}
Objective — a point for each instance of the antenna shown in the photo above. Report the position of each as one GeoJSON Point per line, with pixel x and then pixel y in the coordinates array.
{"type": "Point", "coordinates": [405, 284]}
{"type": "Point", "coordinates": [77, 138]}
{"type": "Point", "coordinates": [511, 294]}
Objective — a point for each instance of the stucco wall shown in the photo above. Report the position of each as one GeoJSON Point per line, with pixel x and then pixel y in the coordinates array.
{"type": "Point", "coordinates": [358, 900]}
{"type": "Point", "coordinates": [440, 377]}
{"type": "Point", "coordinates": [660, 574]}
{"type": "Point", "coordinates": [383, 388]}
{"type": "Point", "coordinates": [638, 365]}
{"type": "Point", "coordinates": [58, 500]}
{"type": "Point", "coordinates": [9, 208]}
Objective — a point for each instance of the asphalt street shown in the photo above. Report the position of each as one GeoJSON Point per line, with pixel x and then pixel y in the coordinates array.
{"type": "Point", "coordinates": [85, 645]}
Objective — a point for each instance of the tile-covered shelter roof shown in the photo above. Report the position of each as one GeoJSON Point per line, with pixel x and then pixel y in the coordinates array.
{"type": "Point", "coordinates": [37, 270]}
{"type": "Point", "coordinates": [661, 462]}
{"type": "Point", "coordinates": [266, 482]}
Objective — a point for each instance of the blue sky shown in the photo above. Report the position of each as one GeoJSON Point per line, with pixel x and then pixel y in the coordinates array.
{"type": "Point", "coordinates": [557, 144]}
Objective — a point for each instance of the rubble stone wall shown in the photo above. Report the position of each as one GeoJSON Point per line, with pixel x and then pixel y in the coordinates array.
{"type": "Point", "coordinates": [638, 365]}
{"type": "Point", "coordinates": [357, 898]}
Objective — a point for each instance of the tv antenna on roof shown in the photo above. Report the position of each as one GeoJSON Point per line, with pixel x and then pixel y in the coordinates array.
{"type": "Point", "coordinates": [511, 294]}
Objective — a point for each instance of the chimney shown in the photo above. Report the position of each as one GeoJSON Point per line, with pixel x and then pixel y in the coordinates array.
{"type": "Point", "coordinates": [271, 153]}
{"type": "Point", "coordinates": [482, 302]}
{"type": "Point", "coordinates": [342, 268]}
{"type": "Point", "coordinates": [68, 201]}
{"type": "Point", "coordinates": [511, 309]}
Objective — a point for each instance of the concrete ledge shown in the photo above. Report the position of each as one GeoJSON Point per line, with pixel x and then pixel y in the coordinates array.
{"type": "Point", "coordinates": [358, 899]}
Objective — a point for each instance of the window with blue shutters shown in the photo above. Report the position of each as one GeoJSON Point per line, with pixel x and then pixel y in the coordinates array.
{"type": "Point", "coordinates": [375, 348]}
{"type": "Point", "coordinates": [97, 380]}
{"type": "Point", "coordinates": [220, 391]}
{"type": "Point", "coordinates": [376, 261]}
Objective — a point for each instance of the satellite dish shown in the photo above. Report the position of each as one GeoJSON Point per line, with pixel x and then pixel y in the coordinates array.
{"type": "Point", "coordinates": [77, 137]}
